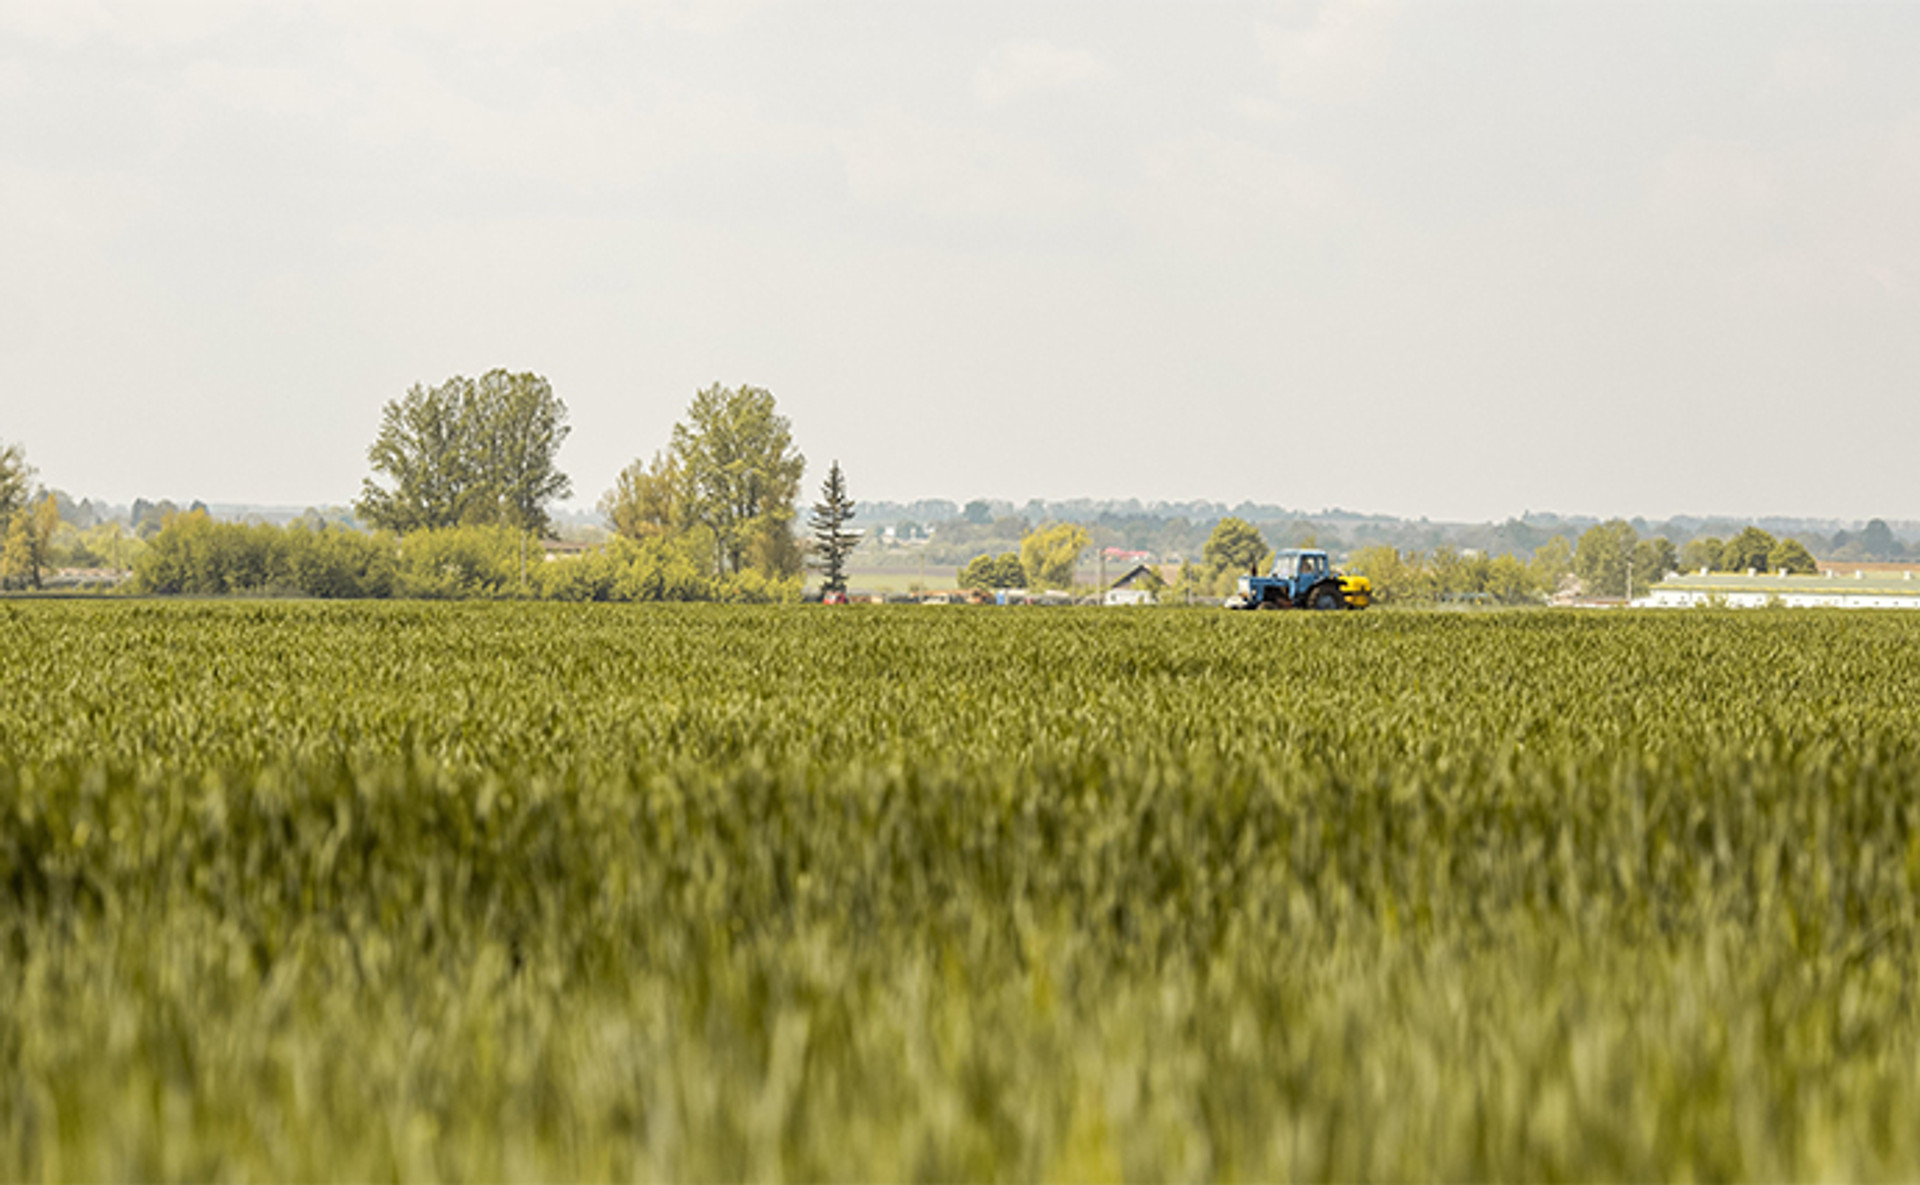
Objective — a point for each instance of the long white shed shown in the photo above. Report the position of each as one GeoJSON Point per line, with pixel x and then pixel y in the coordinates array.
{"type": "Point", "coordinates": [1742, 590]}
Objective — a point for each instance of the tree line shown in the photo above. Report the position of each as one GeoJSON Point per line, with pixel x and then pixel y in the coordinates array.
{"type": "Point", "coordinates": [467, 468]}
{"type": "Point", "coordinates": [1608, 560]}
{"type": "Point", "coordinates": [464, 474]}
{"type": "Point", "coordinates": [1046, 559]}
{"type": "Point", "coordinates": [722, 494]}
{"type": "Point", "coordinates": [937, 531]}
{"type": "Point", "coordinates": [1751, 550]}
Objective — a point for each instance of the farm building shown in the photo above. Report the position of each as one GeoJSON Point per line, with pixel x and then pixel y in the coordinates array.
{"type": "Point", "coordinates": [1841, 587]}
{"type": "Point", "coordinates": [1135, 588]}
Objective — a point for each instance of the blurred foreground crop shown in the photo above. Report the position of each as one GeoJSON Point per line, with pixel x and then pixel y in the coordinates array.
{"type": "Point", "coordinates": [705, 893]}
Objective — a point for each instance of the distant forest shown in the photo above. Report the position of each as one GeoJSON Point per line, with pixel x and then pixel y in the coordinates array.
{"type": "Point", "coordinates": [951, 532]}
{"type": "Point", "coordinates": [954, 533]}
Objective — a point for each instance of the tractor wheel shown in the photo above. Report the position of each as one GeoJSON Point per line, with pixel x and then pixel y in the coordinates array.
{"type": "Point", "coordinates": [1269, 603]}
{"type": "Point", "coordinates": [1328, 598]}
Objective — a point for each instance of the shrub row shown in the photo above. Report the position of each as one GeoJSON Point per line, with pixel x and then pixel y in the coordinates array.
{"type": "Point", "coordinates": [195, 555]}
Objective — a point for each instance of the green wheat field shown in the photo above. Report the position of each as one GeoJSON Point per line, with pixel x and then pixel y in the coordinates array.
{"type": "Point", "coordinates": [418, 892]}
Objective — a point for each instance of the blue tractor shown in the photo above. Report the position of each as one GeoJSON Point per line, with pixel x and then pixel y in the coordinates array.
{"type": "Point", "coordinates": [1302, 578]}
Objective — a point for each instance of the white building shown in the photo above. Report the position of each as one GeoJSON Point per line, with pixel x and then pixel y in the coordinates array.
{"type": "Point", "coordinates": [1755, 590]}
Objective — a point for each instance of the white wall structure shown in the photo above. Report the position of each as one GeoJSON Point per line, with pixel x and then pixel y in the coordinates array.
{"type": "Point", "coordinates": [1755, 591]}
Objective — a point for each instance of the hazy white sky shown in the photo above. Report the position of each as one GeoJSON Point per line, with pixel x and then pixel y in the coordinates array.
{"type": "Point", "coordinates": [1452, 259]}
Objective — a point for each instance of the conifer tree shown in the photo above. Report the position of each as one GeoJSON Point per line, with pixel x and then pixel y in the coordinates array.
{"type": "Point", "coordinates": [832, 541]}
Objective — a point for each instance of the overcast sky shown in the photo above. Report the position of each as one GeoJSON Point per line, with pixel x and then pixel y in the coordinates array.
{"type": "Point", "coordinates": [1449, 259]}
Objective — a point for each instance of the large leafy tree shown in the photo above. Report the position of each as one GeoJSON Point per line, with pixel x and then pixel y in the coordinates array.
{"type": "Point", "coordinates": [24, 547]}
{"type": "Point", "coordinates": [1509, 580]}
{"type": "Point", "coordinates": [1601, 558]}
{"type": "Point", "coordinates": [833, 542]}
{"type": "Point", "coordinates": [425, 451]}
{"type": "Point", "coordinates": [648, 500]}
{"type": "Point", "coordinates": [1552, 563]}
{"type": "Point", "coordinates": [742, 476]}
{"type": "Point", "coordinates": [1747, 551]}
{"type": "Point", "coordinates": [1391, 573]}
{"type": "Point", "coordinates": [1652, 560]}
{"type": "Point", "coordinates": [1878, 541]}
{"type": "Point", "coordinates": [24, 527]}
{"type": "Point", "coordinates": [520, 427]}
{"type": "Point", "coordinates": [1236, 545]}
{"type": "Point", "coordinates": [1702, 554]}
{"type": "Point", "coordinates": [988, 572]}
{"type": "Point", "coordinates": [468, 452]}
{"type": "Point", "coordinates": [1050, 554]}
{"type": "Point", "coordinates": [16, 481]}
{"type": "Point", "coordinates": [1792, 556]}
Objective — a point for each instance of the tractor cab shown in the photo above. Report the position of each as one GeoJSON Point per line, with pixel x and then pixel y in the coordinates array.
{"type": "Point", "coordinates": [1311, 566]}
